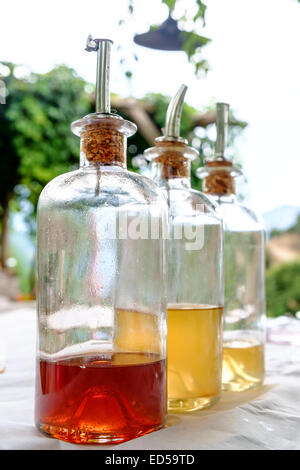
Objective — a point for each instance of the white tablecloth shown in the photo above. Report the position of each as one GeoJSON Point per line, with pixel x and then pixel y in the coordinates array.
{"type": "Point", "coordinates": [265, 418]}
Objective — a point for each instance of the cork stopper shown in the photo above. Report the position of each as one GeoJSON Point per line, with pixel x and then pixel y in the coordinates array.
{"type": "Point", "coordinates": [218, 173]}
{"type": "Point", "coordinates": [172, 160]}
{"type": "Point", "coordinates": [103, 134]}
{"type": "Point", "coordinates": [219, 179]}
{"type": "Point", "coordinates": [102, 142]}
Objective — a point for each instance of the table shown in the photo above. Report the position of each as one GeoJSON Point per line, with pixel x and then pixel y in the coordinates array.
{"type": "Point", "coordinates": [265, 418]}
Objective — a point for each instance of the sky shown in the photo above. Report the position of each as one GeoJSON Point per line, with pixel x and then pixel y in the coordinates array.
{"type": "Point", "coordinates": [254, 66]}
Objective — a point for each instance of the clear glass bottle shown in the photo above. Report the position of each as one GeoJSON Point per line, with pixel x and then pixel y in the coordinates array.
{"type": "Point", "coordinates": [195, 273]}
{"type": "Point", "coordinates": [101, 362]}
{"type": "Point", "coordinates": [244, 312]}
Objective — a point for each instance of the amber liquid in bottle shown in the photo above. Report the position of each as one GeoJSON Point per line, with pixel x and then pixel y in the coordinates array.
{"type": "Point", "coordinates": [194, 356]}
{"type": "Point", "coordinates": [101, 399]}
{"type": "Point", "coordinates": [243, 364]}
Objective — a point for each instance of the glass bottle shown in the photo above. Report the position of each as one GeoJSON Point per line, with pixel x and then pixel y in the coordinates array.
{"type": "Point", "coordinates": [244, 312]}
{"type": "Point", "coordinates": [101, 365]}
{"type": "Point", "coordinates": [195, 272]}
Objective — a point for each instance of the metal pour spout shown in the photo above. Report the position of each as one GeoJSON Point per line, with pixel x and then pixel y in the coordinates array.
{"type": "Point", "coordinates": [103, 48]}
{"type": "Point", "coordinates": [222, 110]}
{"type": "Point", "coordinates": [173, 116]}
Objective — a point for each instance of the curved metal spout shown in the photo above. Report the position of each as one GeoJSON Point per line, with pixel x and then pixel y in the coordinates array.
{"type": "Point", "coordinates": [173, 116]}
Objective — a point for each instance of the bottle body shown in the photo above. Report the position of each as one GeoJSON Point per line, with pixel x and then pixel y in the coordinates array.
{"type": "Point", "coordinates": [244, 310]}
{"type": "Point", "coordinates": [244, 268]}
{"type": "Point", "coordinates": [101, 306]}
{"type": "Point", "coordinates": [195, 301]}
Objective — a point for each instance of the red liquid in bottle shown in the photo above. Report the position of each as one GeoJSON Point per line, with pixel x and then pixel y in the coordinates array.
{"type": "Point", "coordinates": [105, 399]}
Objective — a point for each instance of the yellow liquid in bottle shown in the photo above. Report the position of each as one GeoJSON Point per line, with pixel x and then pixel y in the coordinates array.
{"type": "Point", "coordinates": [243, 365]}
{"type": "Point", "coordinates": [194, 356]}
{"type": "Point", "coordinates": [137, 331]}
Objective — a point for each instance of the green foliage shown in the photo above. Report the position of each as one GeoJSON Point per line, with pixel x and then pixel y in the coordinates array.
{"type": "Point", "coordinates": [192, 44]}
{"type": "Point", "coordinates": [295, 228]}
{"type": "Point", "coordinates": [283, 289]}
{"type": "Point", "coordinates": [37, 119]}
{"type": "Point", "coordinates": [9, 160]}
{"type": "Point", "coordinates": [201, 11]}
{"type": "Point", "coordinates": [275, 232]}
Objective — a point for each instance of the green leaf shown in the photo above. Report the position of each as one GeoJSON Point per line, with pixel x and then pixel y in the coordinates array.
{"type": "Point", "coordinates": [130, 7]}
{"type": "Point", "coordinates": [170, 4]}
{"type": "Point", "coordinates": [201, 11]}
{"type": "Point", "coordinates": [192, 41]}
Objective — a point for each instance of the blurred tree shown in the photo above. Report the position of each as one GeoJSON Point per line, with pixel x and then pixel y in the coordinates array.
{"type": "Point", "coordinates": [282, 285]}
{"type": "Point", "coordinates": [36, 143]}
{"type": "Point", "coordinates": [295, 228]}
{"type": "Point", "coordinates": [9, 161]}
{"type": "Point", "coordinates": [41, 121]}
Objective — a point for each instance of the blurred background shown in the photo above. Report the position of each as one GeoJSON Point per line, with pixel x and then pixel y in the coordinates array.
{"type": "Point", "coordinates": [244, 53]}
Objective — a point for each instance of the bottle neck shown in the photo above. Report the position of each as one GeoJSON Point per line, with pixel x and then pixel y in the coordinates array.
{"type": "Point", "coordinates": [167, 175]}
{"type": "Point", "coordinates": [171, 164]}
{"type": "Point", "coordinates": [102, 146]}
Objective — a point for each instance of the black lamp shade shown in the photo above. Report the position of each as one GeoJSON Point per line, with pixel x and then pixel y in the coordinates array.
{"type": "Point", "coordinates": [166, 37]}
